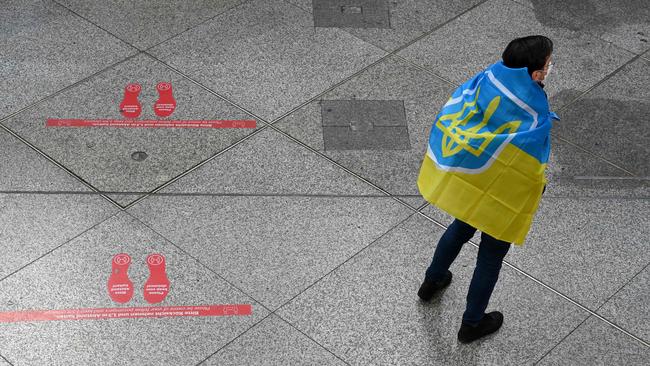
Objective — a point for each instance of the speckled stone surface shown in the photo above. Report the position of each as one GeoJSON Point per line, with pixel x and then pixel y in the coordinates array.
{"type": "Point", "coordinates": [76, 277]}
{"type": "Point", "coordinates": [611, 120]}
{"type": "Point", "coordinates": [573, 172]}
{"type": "Point", "coordinates": [102, 156]}
{"type": "Point", "coordinates": [476, 40]}
{"type": "Point", "coordinates": [597, 343]}
{"type": "Point", "coordinates": [367, 311]}
{"type": "Point", "coordinates": [145, 23]}
{"type": "Point", "coordinates": [46, 48]}
{"type": "Point", "coordinates": [629, 306]}
{"type": "Point", "coordinates": [271, 164]}
{"type": "Point", "coordinates": [267, 56]}
{"type": "Point", "coordinates": [25, 170]}
{"type": "Point", "coordinates": [586, 248]}
{"type": "Point", "coordinates": [273, 342]}
{"type": "Point", "coordinates": [625, 23]}
{"type": "Point", "coordinates": [351, 14]}
{"type": "Point", "coordinates": [33, 224]}
{"type": "Point", "coordinates": [393, 170]}
{"type": "Point", "coordinates": [271, 247]}
{"type": "Point", "coordinates": [290, 225]}
{"type": "Point", "coordinates": [408, 20]}
{"type": "Point", "coordinates": [443, 218]}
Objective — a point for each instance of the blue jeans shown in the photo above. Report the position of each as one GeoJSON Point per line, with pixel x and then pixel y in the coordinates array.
{"type": "Point", "coordinates": [488, 265]}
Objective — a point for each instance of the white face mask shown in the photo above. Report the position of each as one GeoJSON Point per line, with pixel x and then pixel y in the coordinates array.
{"type": "Point", "coordinates": [548, 70]}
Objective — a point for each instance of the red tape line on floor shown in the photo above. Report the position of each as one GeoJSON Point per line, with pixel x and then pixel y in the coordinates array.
{"type": "Point", "coordinates": [126, 313]}
{"type": "Point", "coordinates": [54, 122]}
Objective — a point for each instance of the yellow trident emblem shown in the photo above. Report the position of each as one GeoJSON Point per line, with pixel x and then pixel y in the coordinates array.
{"type": "Point", "coordinates": [456, 139]}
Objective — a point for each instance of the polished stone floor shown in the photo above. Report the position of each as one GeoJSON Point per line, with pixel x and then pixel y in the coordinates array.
{"type": "Point", "coordinates": [315, 222]}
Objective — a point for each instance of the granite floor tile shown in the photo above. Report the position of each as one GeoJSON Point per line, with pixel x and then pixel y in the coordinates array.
{"type": "Point", "coordinates": [273, 342]}
{"type": "Point", "coordinates": [75, 276]}
{"type": "Point", "coordinates": [597, 343]}
{"type": "Point", "coordinates": [34, 223]}
{"type": "Point", "coordinates": [267, 56]}
{"type": "Point", "coordinates": [624, 23]}
{"type": "Point", "coordinates": [408, 20]}
{"type": "Point", "coordinates": [289, 225]}
{"type": "Point", "coordinates": [393, 170]}
{"type": "Point", "coordinates": [367, 311]}
{"type": "Point", "coordinates": [586, 248]}
{"type": "Point", "coordinates": [145, 23]}
{"type": "Point", "coordinates": [611, 120]}
{"type": "Point", "coordinates": [629, 308]}
{"type": "Point", "coordinates": [103, 155]}
{"type": "Point", "coordinates": [46, 48]}
{"type": "Point", "coordinates": [465, 46]}
{"type": "Point", "coordinates": [572, 172]}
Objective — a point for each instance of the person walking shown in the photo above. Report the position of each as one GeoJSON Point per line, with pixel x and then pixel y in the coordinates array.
{"type": "Point", "coordinates": [484, 165]}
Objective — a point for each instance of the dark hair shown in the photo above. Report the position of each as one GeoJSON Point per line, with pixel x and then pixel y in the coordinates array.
{"type": "Point", "coordinates": [530, 52]}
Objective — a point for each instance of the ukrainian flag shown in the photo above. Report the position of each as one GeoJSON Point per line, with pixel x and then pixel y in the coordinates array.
{"type": "Point", "coordinates": [487, 153]}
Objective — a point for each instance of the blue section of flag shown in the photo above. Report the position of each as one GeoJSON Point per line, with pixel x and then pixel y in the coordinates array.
{"type": "Point", "coordinates": [496, 107]}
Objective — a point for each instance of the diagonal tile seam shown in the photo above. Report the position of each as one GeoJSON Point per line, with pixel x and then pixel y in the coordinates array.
{"type": "Point", "coordinates": [42, 100]}
{"type": "Point", "coordinates": [581, 30]}
{"type": "Point", "coordinates": [267, 124]}
{"type": "Point", "coordinates": [431, 72]}
{"type": "Point", "coordinates": [548, 287]}
{"type": "Point", "coordinates": [331, 271]}
{"type": "Point", "coordinates": [59, 246]}
{"type": "Point", "coordinates": [587, 318]}
{"type": "Point", "coordinates": [347, 260]}
{"type": "Point", "coordinates": [257, 324]}
{"type": "Point", "coordinates": [412, 41]}
{"type": "Point", "coordinates": [5, 359]}
{"type": "Point", "coordinates": [599, 83]}
{"type": "Point", "coordinates": [223, 279]}
{"type": "Point", "coordinates": [196, 260]}
{"type": "Point", "coordinates": [235, 338]}
{"type": "Point", "coordinates": [366, 68]}
{"type": "Point", "coordinates": [232, 8]}
{"type": "Point", "coordinates": [96, 25]}
{"type": "Point", "coordinates": [61, 166]}
{"type": "Point", "coordinates": [195, 167]}
{"type": "Point", "coordinates": [561, 340]}
{"type": "Point", "coordinates": [627, 172]}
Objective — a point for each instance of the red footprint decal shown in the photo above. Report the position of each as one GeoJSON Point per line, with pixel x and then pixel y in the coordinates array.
{"type": "Point", "coordinates": [166, 103]}
{"type": "Point", "coordinates": [157, 286]}
{"type": "Point", "coordinates": [130, 106]}
{"type": "Point", "coordinates": [120, 288]}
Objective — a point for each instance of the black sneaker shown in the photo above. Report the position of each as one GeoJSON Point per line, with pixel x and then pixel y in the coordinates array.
{"type": "Point", "coordinates": [429, 288]}
{"type": "Point", "coordinates": [490, 323]}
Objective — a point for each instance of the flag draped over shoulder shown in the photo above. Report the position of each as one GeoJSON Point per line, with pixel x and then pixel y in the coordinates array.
{"type": "Point", "coordinates": [487, 153]}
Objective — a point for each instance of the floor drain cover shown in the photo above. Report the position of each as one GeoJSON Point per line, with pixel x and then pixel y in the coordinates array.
{"type": "Point", "coordinates": [364, 125]}
{"type": "Point", "coordinates": [139, 155]}
{"type": "Point", "coordinates": [351, 13]}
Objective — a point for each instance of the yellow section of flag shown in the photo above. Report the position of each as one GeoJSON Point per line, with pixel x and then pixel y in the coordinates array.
{"type": "Point", "coordinates": [500, 201]}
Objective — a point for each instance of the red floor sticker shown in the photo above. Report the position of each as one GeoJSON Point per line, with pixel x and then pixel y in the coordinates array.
{"type": "Point", "coordinates": [219, 123]}
{"type": "Point", "coordinates": [130, 106]}
{"type": "Point", "coordinates": [166, 103]}
{"type": "Point", "coordinates": [126, 313]}
{"type": "Point", "coordinates": [157, 286]}
{"type": "Point", "coordinates": [120, 287]}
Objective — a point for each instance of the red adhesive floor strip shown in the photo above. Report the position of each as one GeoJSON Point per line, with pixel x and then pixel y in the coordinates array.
{"type": "Point", "coordinates": [126, 313]}
{"type": "Point", "coordinates": [54, 122]}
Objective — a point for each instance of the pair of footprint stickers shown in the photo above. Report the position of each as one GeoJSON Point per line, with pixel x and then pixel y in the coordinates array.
{"type": "Point", "coordinates": [164, 106]}
{"type": "Point", "coordinates": [120, 287]}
